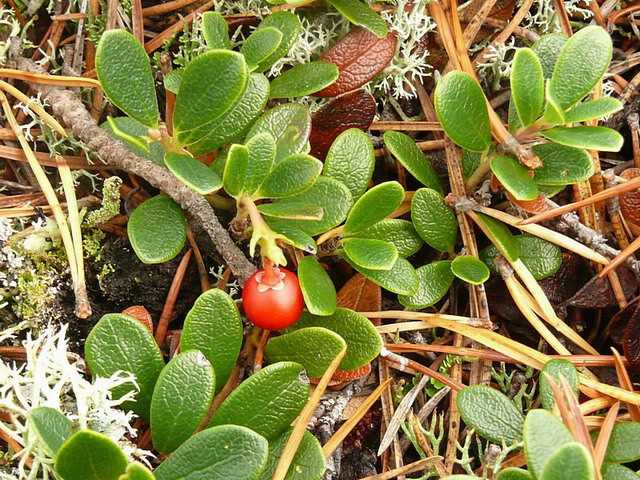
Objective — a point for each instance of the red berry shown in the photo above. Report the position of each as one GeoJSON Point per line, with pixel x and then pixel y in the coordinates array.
{"type": "Point", "coordinates": [274, 303]}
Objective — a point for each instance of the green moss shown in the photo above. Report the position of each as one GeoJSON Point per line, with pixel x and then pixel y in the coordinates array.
{"type": "Point", "coordinates": [110, 203]}
{"type": "Point", "coordinates": [35, 295]}
{"type": "Point", "coordinates": [107, 269]}
{"type": "Point", "coordinates": [92, 243]}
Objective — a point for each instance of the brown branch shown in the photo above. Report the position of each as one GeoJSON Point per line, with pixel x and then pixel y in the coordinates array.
{"type": "Point", "coordinates": [67, 107]}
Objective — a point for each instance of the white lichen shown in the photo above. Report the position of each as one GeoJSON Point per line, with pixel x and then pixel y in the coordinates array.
{"type": "Point", "coordinates": [542, 14]}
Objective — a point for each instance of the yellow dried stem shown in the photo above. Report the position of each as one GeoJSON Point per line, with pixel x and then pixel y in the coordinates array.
{"type": "Point", "coordinates": [56, 80]}
{"type": "Point", "coordinates": [604, 435]}
{"type": "Point", "coordinates": [625, 382]}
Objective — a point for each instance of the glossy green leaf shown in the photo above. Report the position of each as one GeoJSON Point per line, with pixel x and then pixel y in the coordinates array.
{"type": "Point", "coordinates": [262, 153]}
{"type": "Point", "coordinates": [543, 434]}
{"type": "Point", "coordinates": [157, 230]}
{"type": "Point", "coordinates": [334, 198]}
{"type": "Point", "coordinates": [89, 455]}
{"type": "Point", "coordinates": [582, 62]}
{"type": "Point", "coordinates": [289, 25]}
{"type": "Point", "coordinates": [553, 112]}
{"type": "Point", "coordinates": [513, 120]}
{"type": "Point", "coordinates": [317, 287]}
{"type": "Point", "coordinates": [512, 473]}
{"type": "Point", "coordinates": [462, 110]}
{"type": "Point", "coordinates": [227, 452]}
{"type": "Point", "coordinates": [400, 233]}
{"type": "Point", "coordinates": [291, 176]}
{"type": "Point", "coordinates": [623, 446]}
{"type": "Point", "coordinates": [434, 281]}
{"type": "Point", "coordinates": [434, 221]}
{"type": "Point", "coordinates": [214, 327]}
{"type": "Point", "coordinates": [541, 258]}
{"type": "Point", "coordinates": [121, 343]}
{"type": "Point", "coordinates": [201, 103]}
{"type": "Point", "coordinates": [260, 45]}
{"type": "Point", "coordinates": [351, 161]}
{"type": "Point", "coordinates": [361, 14]}
{"type": "Point", "coordinates": [527, 85]}
{"type": "Point", "coordinates": [593, 109]}
{"type": "Point", "coordinates": [304, 79]}
{"type": "Point", "coordinates": [181, 399]}
{"type": "Point", "coordinates": [171, 80]}
{"type": "Point", "coordinates": [50, 426]}
{"type": "Point", "coordinates": [562, 165]}
{"type": "Point", "coordinates": [500, 237]}
{"type": "Point", "coordinates": [373, 206]}
{"type": "Point", "coordinates": [592, 138]}
{"type": "Point", "coordinates": [235, 170]}
{"type": "Point", "coordinates": [234, 123]}
{"type": "Point", "coordinates": [470, 269]}
{"type": "Point", "coordinates": [136, 471]}
{"type": "Point", "coordinates": [401, 279]}
{"type": "Point", "coordinates": [570, 462]}
{"type": "Point", "coordinates": [490, 413]}
{"type": "Point", "coordinates": [613, 471]}
{"type": "Point", "coordinates": [193, 173]}
{"type": "Point", "coordinates": [296, 237]}
{"type": "Point", "coordinates": [470, 162]}
{"type": "Point", "coordinates": [370, 253]}
{"type": "Point", "coordinates": [291, 211]}
{"type": "Point", "coordinates": [514, 177]}
{"type": "Point", "coordinates": [215, 30]}
{"type": "Point", "coordinates": [405, 150]}
{"type": "Point", "coordinates": [548, 47]}
{"type": "Point", "coordinates": [124, 71]}
{"type": "Point", "coordinates": [130, 131]}
{"type": "Point", "coordinates": [556, 369]}
{"type": "Point", "coordinates": [362, 338]}
{"type": "Point", "coordinates": [314, 348]}
{"type": "Point", "coordinates": [268, 401]}
{"type": "Point", "coordinates": [307, 464]}
{"type": "Point", "coordinates": [289, 124]}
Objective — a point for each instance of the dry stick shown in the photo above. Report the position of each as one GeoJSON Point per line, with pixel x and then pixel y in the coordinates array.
{"type": "Point", "coordinates": [403, 362]}
{"type": "Point", "coordinates": [159, 40]}
{"type": "Point", "coordinates": [68, 107]}
{"type": "Point", "coordinates": [565, 23]}
{"type": "Point", "coordinates": [44, 79]}
{"type": "Point", "coordinates": [166, 7]}
{"type": "Point", "coordinates": [300, 425]}
{"type": "Point", "coordinates": [605, 434]}
{"type": "Point", "coordinates": [197, 255]}
{"type": "Point", "coordinates": [338, 437]}
{"type": "Point", "coordinates": [386, 402]}
{"type": "Point", "coordinates": [408, 126]}
{"type": "Point", "coordinates": [136, 20]}
{"type": "Point", "coordinates": [397, 472]}
{"type": "Point", "coordinates": [625, 382]}
{"type": "Point", "coordinates": [172, 296]}
{"type": "Point", "coordinates": [632, 248]}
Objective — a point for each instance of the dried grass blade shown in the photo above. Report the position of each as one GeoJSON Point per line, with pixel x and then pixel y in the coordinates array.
{"type": "Point", "coordinates": [605, 434]}
{"type": "Point", "coordinates": [625, 382]}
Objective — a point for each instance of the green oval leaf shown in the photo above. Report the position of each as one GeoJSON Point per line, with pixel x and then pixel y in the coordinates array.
{"type": "Point", "coordinates": [514, 177]}
{"type": "Point", "coordinates": [317, 288]}
{"type": "Point", "coordinates": [543, 434]}
{"type": "Point", "coordinates": [201, 103]}
{"type": "Point", "coordinates": [130, 132]}
{"type": "Point", "coordinates": [262, 153]}
{"type": "Point", "coordinates": [548, 47]}
{"type": "Point", "coordinates": [500, 237]}
{"type": "Point", "coordinates": [613, 471]}
{"type": "Point", "coordinates": [592, 138]}
{"type": "Point", "coordinates": [400, 233]}
{"type": "Point", "coordinates": [314, 348]}
{"type": "Point", "coordinates": [527, 85]}
{"type": "Point", "coordinates": [405, 150]}
{"type": "Point", "coordinates": [268, 401]}
{"type": "Point", "coordinates": [289, 124]}
{"type": "Point", "coordinates": [359, 13]}
{"type": "Point", "coordinates": [562, 165]}
{"type": "Point", "coordinates": [289, 25]}
{"type": "Point", "coordinates": [296, 237]}
{"type": "Point", "coordinates": [307, 464]}
{"type": "Point", "coordinates": [363, 340]}
{"type": "Point", "coordinates": [582, 62]}
{"type": "Point", "coordinates": [50, 426]}
{"type": "Point", "coordinates": [570, 462]}
{"type": "Point", "coordinates": [556, 369]}
{"type": "Point", "coordinates": [214, 327]}
{"type": "Point", "coordinates": [351, 160]}
{"type": "Point", "coordinates": [219, 453]}
{"type": "Point", "coordinates": [89, 455]}
{"type": "Point", "coordinates": [541, 258]}
{"type": "Point", "coordinates": [291, 176]}
{"type": "Point", "coordinates": [371, 254]}
{"type": "Point", "coordinates": [193, 173]}
{"type": "Point", "coordinates": [512, 473]}
{"type": "Point", "coordinates": [215, 30]}
{"type": "Point", "coordinates": [235, 170]}
{"type": "Point", "coordinates": [157, 230]}
{"type": "Point", "coordinates": [373, 206]}
{"type": "Point", "coordinates": [593, 109]}
{"type": "Point", "coordinates": [434, 281]}
{"type": "Point", "coordinates": [623, 446]}
{"type": "Point", "coordinates": [553, 112]}
{"type": "Point", "coordinates": [181, 399]}
{"type": "Point", "coordinates": [120, 343]}
{"type": "Point", "coordinates": [136, 471]}
{"type": "Point", "coordinates": [291, 211]}
{"type": "Point", "coordinates": [434, 221]}
{"type": "Point", "coordinates": [470, 269]}
{"type": "Point", "coordinates": [401, 279]}
{"type": "Point", "coordinates": [462, 110]}
{"type": "Point", "coordinates": [124, 71]}
{"type": "Point", "coordinates": [260, 45]}
{"type": "Point", "coordinates": [304, 79]}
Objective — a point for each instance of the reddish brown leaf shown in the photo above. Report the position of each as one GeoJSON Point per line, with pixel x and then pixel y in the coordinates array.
{"type": "Point", "coordinates": [141, 314]}
{"type": "Point", "coordinates": [345, 376]}
{"type": "Point", "coordinates": [631, 342]}
{"type": "Point", "coordinates": [360, 56]}
{"type": "Point", "coordinates": [630, 201]}
{"type": "Point", "coordinates": [361, 295]}
{"type": "Point", "coordinates": [531, 206]}
{"type": "Point", "coordinates": [616, 327]}
{"type": "Point", "coordinates": [351, 110]}
{"type": "Point", "coordinates": [597, 292]}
